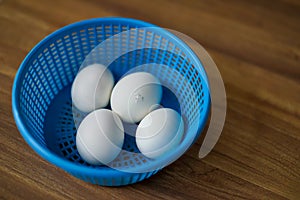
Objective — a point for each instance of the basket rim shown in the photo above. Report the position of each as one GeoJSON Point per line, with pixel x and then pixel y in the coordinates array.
{"type": "Point", "coordinates": [63, 163]}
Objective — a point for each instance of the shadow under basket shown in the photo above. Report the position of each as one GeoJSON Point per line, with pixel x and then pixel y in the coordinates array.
{"type": "Point", "coordinates": [42, 105]}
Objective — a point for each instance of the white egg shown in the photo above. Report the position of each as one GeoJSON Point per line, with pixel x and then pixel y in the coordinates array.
{"type": "Point", "coordinates": [100, 137]}
{"type": "Point", "coordinates": [135, 95]}
{"type": "Point", "coordinates": [92, 87]}
{"type": "Point", "coordinates": [159, 132]}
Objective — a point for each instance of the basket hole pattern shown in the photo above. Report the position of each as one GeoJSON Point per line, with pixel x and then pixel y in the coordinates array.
{"type": "Point", "coordinates": [66, 135]}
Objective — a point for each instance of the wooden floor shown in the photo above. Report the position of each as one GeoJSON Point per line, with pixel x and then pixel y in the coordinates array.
{"type": "Point", "coordinates": [256, 45]}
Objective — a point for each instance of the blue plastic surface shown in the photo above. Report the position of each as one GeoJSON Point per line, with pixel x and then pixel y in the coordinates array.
{"type": "Point", "coordinates": [41, 94]}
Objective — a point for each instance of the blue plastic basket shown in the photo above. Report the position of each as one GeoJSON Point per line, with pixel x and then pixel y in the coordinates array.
{"type": "Point", "coordinates": [42, 105]}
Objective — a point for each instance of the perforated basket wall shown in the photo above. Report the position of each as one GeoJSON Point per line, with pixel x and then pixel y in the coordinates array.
{"type": "Point", "coordinates": [42, 104]}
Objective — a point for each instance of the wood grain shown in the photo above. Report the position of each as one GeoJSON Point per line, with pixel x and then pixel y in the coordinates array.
{"type": "Point", "coordinates": [257, 49]}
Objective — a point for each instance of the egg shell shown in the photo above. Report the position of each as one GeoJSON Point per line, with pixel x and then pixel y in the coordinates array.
{"type": "Point", "coordinates": [135, 95]}
{"type": "Point", "coordinates": [159, 132]}
{"type": "Point", "coordinates": [100, 137]}
{"type": "Point", "coordinates": [92, 87]}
